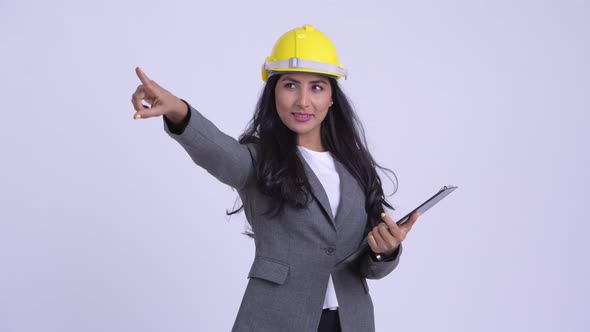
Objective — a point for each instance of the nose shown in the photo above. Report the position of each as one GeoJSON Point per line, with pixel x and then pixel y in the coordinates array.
{"type": "Point", "coordinates": [303, 98]}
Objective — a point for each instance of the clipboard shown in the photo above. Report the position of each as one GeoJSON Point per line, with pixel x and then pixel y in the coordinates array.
{"type": "Point", "coordinates": [442, 193]}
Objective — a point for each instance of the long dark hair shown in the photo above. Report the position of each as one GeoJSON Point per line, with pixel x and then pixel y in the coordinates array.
{"type": "Point", "coordinates": [280, 172]}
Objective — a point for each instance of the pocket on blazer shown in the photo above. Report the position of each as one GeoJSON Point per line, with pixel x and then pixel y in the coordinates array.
{"type": "Point", "coordinates": [269, 269]}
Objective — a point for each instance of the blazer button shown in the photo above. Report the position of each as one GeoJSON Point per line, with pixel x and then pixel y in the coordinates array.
{"type": "Point", "coordinates": [330, 250]}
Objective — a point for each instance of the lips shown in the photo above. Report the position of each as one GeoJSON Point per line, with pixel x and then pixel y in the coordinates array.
{"type": "Point", "coordinates": [302, 116]}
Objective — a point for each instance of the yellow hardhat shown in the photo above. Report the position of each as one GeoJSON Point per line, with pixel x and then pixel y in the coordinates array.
{"type": "Point", "coordinates": [303, 49]}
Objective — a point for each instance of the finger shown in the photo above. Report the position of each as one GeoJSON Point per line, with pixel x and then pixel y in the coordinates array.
{"type": "Point", "coordinates": [140, 91]}
{"type": "Point", "coordinates": [150, 98]}
{"type": "Point", "coordinates": [378, 239]}
{"type": "Point", "coordinates": [389, 240]}
{"type": "Point", "coordinates": [396, 231]}
{"type": "Point", "coordinates": [155, 84]}
{"type": "Point", "coordinates": [408, 225]}
{"type": "Point", "coordinates": [143, 77]}
{"type": "Point", "coordinates": [372, 242]}
{"type": "Point", "coordinates": [394, 228]}
{"type": "Point", "coordinates": [137, 97]}
{"type": "Point", "coordinates": [153, 90]}
{"type": "Point", "coordinates": [148, 112]}
{"type": "Point", "coordinates": [388, 221]}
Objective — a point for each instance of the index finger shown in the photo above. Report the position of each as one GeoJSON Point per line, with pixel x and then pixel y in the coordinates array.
{"type": "Point", "coordinates": [388, 221]}
{"type": "Point", "coordinates": [143, 77]}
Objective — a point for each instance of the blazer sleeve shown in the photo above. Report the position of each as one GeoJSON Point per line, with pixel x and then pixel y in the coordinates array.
{"type": "Point", "coordinates": [219, 154]}
{"type": "Point", "coordinates": [372, 269]}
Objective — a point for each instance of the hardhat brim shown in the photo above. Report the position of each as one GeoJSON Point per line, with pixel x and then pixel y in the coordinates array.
{"type": "Point", "coordinates": [302, 66]}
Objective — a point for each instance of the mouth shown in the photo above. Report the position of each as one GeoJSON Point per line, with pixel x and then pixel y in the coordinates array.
{"type": "Point", "coordinates": [302, 116]}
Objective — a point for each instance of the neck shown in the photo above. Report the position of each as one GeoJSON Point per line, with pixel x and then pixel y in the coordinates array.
{"type": "Point", "coordinates": [311, 141]}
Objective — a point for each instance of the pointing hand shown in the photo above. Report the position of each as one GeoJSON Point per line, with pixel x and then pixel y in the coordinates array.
{"type": "Point", "coordinates": [160, 100]}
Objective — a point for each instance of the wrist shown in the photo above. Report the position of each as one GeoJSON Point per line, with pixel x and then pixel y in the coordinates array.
{"type": "Point", "coordinates": [385, 255]}
{"type": "Point", "coordinates": [178, 113]}
{"type": "Point", "coordinates": [388, 253]}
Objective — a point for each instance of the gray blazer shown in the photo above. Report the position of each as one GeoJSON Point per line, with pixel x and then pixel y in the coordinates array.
{"type": "Point", "coordinates": [296, 251]}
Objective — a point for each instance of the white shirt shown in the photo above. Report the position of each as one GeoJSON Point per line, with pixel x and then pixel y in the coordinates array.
{"type": "Point", "coordinates": [324, 168]}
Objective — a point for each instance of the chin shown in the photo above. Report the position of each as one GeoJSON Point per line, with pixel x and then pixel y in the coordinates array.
{"type": "Point", "coordinates": [301, 130]}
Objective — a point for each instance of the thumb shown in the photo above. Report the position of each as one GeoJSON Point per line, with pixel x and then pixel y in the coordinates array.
{"type": "Point", "coordinates": [413, 217]}
{"type": "Point", "coordinates": [149, 112]}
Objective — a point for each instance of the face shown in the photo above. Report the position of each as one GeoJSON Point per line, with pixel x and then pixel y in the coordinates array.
{"type": "Point", "coordinates": [302, 101]}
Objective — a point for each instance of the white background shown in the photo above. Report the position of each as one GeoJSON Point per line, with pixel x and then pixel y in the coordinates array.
{"type": "Point", "coordinates": [106, 225]}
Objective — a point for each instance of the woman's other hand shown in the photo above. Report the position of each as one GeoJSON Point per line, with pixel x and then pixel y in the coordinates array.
{"type": "Point", "coordinates": [160, 100]}
{"type": "Point", "coordinates": [386, 237]}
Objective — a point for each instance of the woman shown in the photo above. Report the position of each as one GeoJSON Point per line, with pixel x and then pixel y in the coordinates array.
{"type": "Point", "coordinates": [308, 185]}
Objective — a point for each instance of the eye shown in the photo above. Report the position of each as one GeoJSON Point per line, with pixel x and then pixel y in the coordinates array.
{"type": "Point", "coordinates": [289, 85]}
{"type": "Point", "coordinates": [317, 87]}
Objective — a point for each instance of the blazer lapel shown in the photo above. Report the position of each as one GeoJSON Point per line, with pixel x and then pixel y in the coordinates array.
{"type": "Point", "coordinates": [347, 185]}
{"type": "Point", "coordinates": [317, 190]}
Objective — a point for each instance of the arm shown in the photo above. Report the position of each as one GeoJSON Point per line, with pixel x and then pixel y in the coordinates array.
{"type": "Point", "coordinates": [370, 268]}
{"type": "Point", "coordinates": [221, 155]}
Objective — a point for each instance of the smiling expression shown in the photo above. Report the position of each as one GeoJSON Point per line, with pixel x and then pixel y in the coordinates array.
{"type": "Point", "coordinates": [303, 101]}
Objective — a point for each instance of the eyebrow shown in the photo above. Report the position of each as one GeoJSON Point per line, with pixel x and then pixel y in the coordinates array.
{"type": "Point", "coordinates": [287, 78]}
